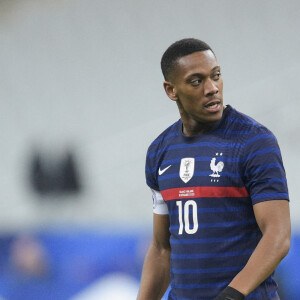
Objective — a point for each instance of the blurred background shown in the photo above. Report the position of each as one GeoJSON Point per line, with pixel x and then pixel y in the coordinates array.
{"type": "Point", "coordinates": [81, 100]}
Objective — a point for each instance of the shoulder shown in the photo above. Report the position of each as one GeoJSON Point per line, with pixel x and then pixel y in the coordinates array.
{"type": "Point", "coordinates": [164, 138]}
{"type": "Point", "coordinates": [155, 153]}
{"type": "Point", "coordinates": [252, 129]}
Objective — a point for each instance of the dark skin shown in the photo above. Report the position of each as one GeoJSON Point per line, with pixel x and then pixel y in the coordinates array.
{"type": "Point", "coordinates": [155, 277]}
{"type": "Point", "coordinates": [273, 219]}
{"type": "Point", "coordinates": [196, 86]}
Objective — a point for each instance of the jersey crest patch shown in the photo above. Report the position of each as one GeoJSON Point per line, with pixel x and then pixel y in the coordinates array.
{"type": "Point", "coordinates": [187, 167]}
{"type": "Point", "coordinates": [216, 167]}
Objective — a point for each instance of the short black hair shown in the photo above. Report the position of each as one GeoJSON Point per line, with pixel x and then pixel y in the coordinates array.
{"type": "Point", "coordinates": [179, 49]}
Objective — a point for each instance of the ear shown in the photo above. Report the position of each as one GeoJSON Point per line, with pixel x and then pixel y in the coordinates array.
{"type": "Point", "coordinates": [170, 90]}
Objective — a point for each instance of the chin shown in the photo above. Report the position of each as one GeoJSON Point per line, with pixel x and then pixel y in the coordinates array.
{"type": "Point", "coordinates": [215, 118]}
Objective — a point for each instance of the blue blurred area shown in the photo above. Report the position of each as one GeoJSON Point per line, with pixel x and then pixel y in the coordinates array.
{"type": "Point", "coordinates": [74, 260]}
{"type": "Point", "coordinates": [58, 264]}
{"type": "Point", "coordinates": [288, 272]}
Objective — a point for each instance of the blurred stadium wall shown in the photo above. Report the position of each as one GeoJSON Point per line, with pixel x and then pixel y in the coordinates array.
{"type": "Point", "coordinates": [83, 78]}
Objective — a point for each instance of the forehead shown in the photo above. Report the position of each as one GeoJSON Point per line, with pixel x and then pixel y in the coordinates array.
{"type": "Point", "coordinates": [198, 62]}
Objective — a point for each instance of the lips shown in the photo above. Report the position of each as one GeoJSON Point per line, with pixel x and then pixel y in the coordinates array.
{"type": "Point", "coordinates": [213, 105]}
{"type": "Point", "coordinates": [212, 102]}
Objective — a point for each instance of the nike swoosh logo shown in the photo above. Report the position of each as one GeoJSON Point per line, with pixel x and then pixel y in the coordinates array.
{"type": "Point", "coordinates": [160, 172]}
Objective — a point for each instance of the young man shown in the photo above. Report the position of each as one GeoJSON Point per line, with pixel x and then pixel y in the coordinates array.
{"type": "Point", "coordinates": [221, 210]}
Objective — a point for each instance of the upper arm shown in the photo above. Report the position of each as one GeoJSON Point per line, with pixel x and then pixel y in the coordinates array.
{"type": "Point", "coordinates": [161, 233]}
{"type": "Point", "coordinates": [273, 216]}
{"type": "Point", "coordinates": [161, 222]}
{"type": "Point", "coordinates": [263, 171]}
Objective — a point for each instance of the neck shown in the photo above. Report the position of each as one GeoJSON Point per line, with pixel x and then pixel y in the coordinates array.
{"type": "Point", "coordinates": [192, 127]}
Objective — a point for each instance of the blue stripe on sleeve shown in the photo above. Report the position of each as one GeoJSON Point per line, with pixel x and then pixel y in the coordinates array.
{"type": "Point", "coordinates": [277, 180]}
{"type": "Point", "coordinates": [270, 195]}
{"type": "Point", "coordinates": [262, 167]}
{"type": "Point", "coordinates": [263, 151]}
{"type": "Point", "coordinates": [259, 137]}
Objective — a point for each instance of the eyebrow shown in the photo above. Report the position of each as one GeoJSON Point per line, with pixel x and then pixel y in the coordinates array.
{"type": "Point", "coordinates": [201, 75]}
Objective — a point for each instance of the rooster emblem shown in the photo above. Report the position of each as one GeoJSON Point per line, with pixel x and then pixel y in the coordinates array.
{"type": "Point", "coordinates": [216, 168]}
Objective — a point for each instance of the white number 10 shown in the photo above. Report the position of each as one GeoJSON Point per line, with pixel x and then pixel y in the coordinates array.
{"type": "Point", "coordinates": [187, 205]}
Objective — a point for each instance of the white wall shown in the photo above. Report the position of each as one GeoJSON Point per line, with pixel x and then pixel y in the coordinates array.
{"type": "Point", "coordinates": [85, 74]}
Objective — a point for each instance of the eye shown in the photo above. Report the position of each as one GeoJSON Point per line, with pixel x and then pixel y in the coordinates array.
{"type": "Point", "coordinates": [196, 82]}
{"type": "Point", "coordinates": [216, 76]}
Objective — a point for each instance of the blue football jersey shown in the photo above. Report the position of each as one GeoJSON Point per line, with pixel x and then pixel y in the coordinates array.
{"type": "Point", "coordinates": [210, 183]}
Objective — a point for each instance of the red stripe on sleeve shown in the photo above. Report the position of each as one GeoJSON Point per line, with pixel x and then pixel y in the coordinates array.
{"type": "Point", "coordinates": [204, 192]}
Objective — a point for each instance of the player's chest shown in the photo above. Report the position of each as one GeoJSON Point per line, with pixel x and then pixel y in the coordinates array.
{"type": "Point", "coordinates": [196, 166]}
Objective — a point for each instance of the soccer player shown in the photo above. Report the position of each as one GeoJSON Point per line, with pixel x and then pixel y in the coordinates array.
{"type": "Point", "coordinates": [220, 197]}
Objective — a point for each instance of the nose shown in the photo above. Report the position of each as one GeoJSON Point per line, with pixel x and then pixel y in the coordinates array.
{"type": "Point", "coordinates": [210, 88]}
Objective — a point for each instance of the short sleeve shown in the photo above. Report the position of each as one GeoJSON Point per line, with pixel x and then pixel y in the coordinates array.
{"type": "Point", "coordinates": [264, 174]}
{"type": "Point", "coordinates": [150, 170]}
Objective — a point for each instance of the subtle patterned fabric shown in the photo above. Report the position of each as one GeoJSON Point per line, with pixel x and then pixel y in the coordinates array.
{"type": "Point", "coordinates": [210, 183]}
